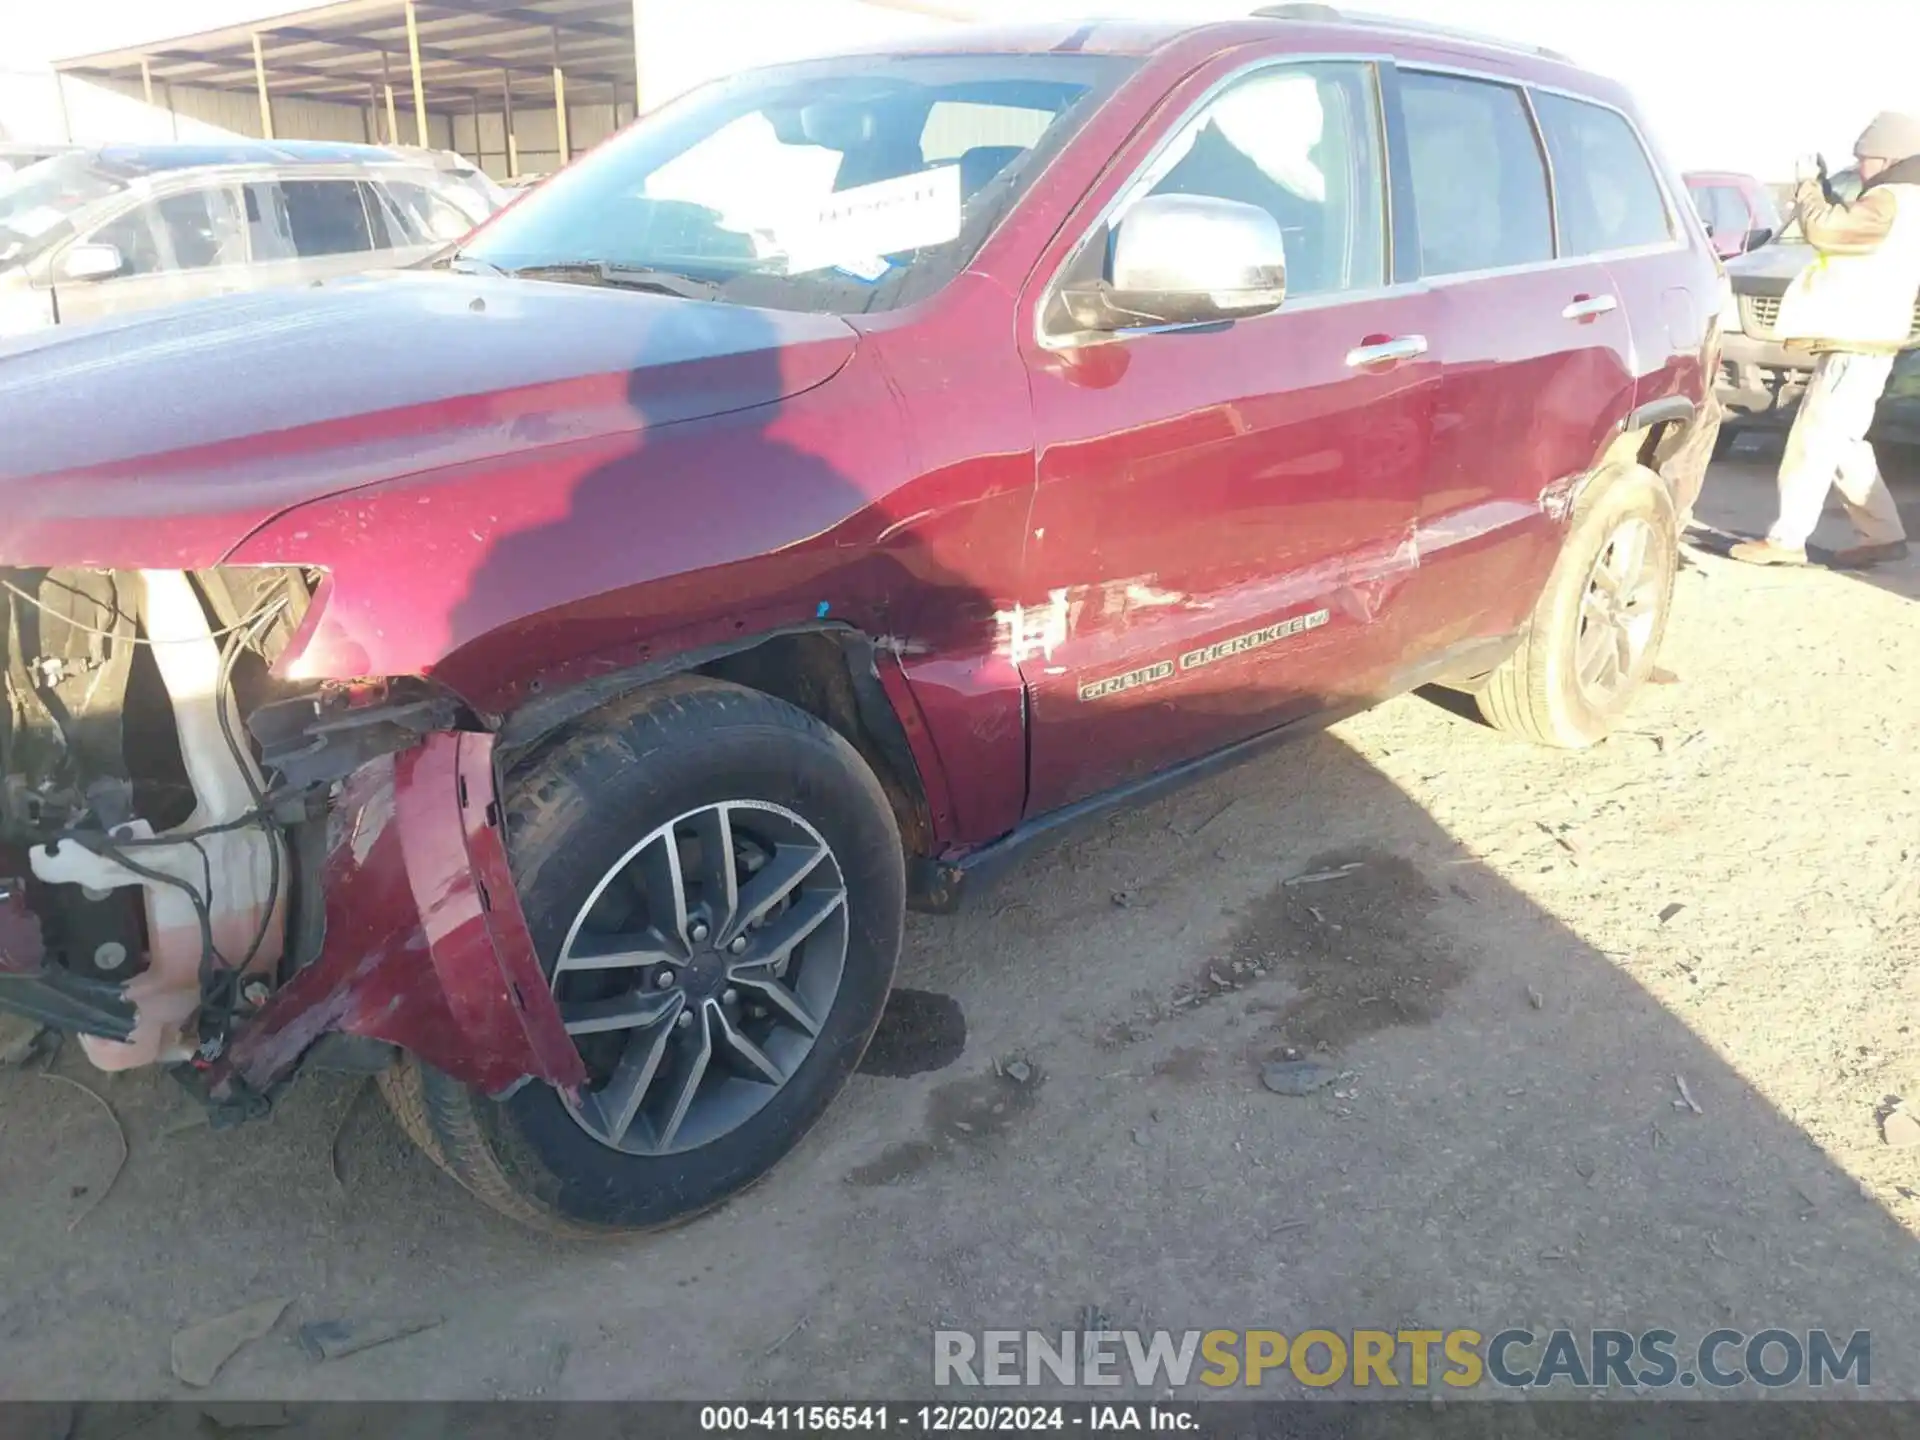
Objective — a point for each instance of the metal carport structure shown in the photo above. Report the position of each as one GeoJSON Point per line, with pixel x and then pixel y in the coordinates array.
{"type": "Point", "coordinates": [402, 63]}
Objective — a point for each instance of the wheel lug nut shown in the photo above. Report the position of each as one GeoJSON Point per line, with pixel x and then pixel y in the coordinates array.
{"type": "Point", "coordinates": [729, 996]}
{"type": "Point", "coordinates": [699, 932]}
{"type": "Point", "coordinates": [739, 945]}
{"type": "Point", "coordinates": [686, 1019]}
{"type": "Point", "coordinates": [664, 980]}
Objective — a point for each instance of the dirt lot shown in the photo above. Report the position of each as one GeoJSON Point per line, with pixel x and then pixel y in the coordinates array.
{"type": "Point", "coordinates": [1728, 892]}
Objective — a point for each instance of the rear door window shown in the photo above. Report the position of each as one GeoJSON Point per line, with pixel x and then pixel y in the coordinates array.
{"type": "Point", "coordinates": [418, 215]}
{"type": "Point", "coordinates": [326, 217]}
{"type": "Point", "coordinates": [1609, 198]}
{"type": "Point", "coordinates": [1479, 183]}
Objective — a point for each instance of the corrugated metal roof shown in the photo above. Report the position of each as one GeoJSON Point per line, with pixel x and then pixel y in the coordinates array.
{"type": "Point", "coordinates": [468, 49]}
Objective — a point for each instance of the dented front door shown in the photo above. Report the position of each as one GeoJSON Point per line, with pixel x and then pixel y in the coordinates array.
{"type": "Point", "coordinates": [1219, 539]}
{"type": "Point", "coordinates": [1225, 514]}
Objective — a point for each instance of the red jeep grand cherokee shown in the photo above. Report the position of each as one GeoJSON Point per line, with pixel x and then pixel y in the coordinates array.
{"type": "Point", "coordinates": [543, 679]}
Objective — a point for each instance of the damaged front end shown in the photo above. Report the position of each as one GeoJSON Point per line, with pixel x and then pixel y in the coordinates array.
{"type": "Point", "coordinates": [207, 866]}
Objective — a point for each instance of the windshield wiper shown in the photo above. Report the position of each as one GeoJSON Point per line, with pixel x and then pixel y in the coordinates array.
{"type": "Point", "coordinates": [625, 277]}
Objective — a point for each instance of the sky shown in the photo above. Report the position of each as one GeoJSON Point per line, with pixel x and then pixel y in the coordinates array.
{"type": "Point", "coordinates": [1733, 84]}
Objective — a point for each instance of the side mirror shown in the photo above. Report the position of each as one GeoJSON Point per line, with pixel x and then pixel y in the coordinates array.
{"type": "Point", "coordinates": [91, 262]}
{"type": "Point", "coordinates": [1757, 238]}
{"type": "Point", "coordinates": [1186, 260]}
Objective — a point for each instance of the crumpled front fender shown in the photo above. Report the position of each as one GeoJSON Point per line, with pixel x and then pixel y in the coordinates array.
{"type": "Point", "coordinates": [425, 944]}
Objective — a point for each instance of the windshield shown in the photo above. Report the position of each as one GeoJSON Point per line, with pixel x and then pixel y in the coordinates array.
{"type": "Point", "coordinates": [37, 203]}
{"type": "Point", "coordinates": [843, 185]}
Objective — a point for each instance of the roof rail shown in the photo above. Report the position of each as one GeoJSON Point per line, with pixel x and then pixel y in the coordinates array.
{"type": "Point", "coordinates": [1329, 15]}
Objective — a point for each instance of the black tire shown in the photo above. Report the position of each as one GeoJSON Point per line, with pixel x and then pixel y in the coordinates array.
{"type": "Point", "coordinates": [400, 1087]}
{"type": "Point", "coordinates": [572, 813]}
{"type": "Point", "coordinates": [1535, 693]}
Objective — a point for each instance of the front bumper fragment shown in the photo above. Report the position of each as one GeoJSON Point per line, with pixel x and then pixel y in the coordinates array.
{"type": "Point", "coordinates": [425, 947]}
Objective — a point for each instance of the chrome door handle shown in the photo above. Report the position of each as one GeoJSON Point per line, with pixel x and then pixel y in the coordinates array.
{"type": "Point", "coordinates": [1587, 306]}
{"type": "Point", "coordinates": [1404, 347]}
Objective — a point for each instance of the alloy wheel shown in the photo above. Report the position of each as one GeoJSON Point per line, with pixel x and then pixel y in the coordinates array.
{"type": "Point", "coordinates": [696, 977]}
{"type": "Point", "coordinates": [1619, 612]}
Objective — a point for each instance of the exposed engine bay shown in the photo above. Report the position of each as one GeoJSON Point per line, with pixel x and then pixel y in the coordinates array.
{"type": "Point", "coordinates": [165, 801]}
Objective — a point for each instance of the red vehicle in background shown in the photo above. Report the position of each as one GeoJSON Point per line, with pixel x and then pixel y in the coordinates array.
{"type": "Point", "coordinates": [1737, 210]}
{"type": "Point", "coordinates": [544, 680]}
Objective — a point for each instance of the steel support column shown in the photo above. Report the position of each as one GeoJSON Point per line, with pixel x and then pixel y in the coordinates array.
{"type": "Point", "coordinates": [393, 117]}
{"type": "Point", "coordinates": [506, 113]}
{"type": "Point", "coordinates": [260, 84]}
{"type": "Point", "coordinates": [560, 100]}
{"type": "Point", "coordinates": [419, 86]}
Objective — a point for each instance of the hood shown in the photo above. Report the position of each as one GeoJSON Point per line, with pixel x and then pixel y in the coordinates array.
{"type": "Point", "coordinates": [163, 438]}
{"type": "Point", "coordinates": [1770, 269]}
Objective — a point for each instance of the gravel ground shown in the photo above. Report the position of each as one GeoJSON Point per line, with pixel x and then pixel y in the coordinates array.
{"type": "Point", "coordinates": [1528, 949]}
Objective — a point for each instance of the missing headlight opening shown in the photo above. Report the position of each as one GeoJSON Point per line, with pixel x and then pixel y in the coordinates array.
{"type": "Point", "coordinates": [159, 790]}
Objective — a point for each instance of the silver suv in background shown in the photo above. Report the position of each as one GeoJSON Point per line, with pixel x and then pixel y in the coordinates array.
{"type": "Point", "coordinates": [16, 157]}
{"type": "Point", "coordinates": [126, 227]}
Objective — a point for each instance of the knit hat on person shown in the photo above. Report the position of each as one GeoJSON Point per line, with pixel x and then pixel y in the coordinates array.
{"type": "Point", "coordinates": [1891, 137]}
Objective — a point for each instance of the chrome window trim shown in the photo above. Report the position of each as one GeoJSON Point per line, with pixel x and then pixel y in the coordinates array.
{"type": "Point", "coordinates": [1675, 243]}
{"type": "Point", "coordinates": [1545, 151]}
{"type": "Point", "coordinates": [1562, 262]}
{"type": "Point", "coordinates": [1330, 300]}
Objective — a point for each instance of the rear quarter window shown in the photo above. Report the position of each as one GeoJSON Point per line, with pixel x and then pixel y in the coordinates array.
{"type": "Point", "coordinates": [1603, 181]}
{"type": "Point", "coordinates": [417, 214]}
{"type": "Point", "coordinates": [1479, 184]}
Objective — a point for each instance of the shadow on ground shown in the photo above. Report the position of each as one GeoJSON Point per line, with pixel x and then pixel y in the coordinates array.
{"type": "Point", "coordinates": [1738, 503]}
{"type": "Point", "coordinates": [1508, 1145]}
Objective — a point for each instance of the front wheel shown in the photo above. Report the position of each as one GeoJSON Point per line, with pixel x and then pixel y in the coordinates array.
{"type": "Point", "coordinates": [714, 882]}
{"type": "Point", "coordinates": [1595, 633]}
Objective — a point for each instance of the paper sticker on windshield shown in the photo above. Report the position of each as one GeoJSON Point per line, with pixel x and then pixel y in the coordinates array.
{"type": "Point", "coordinates": [869, 270]}
{"type": "Point", "coordinates": [852, 226]}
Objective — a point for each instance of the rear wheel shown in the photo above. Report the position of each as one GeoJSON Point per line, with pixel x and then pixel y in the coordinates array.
{"type": "Point", "coordinates": [1595, 633]}
{"type": "Point", "coordinates": [714, 882]}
